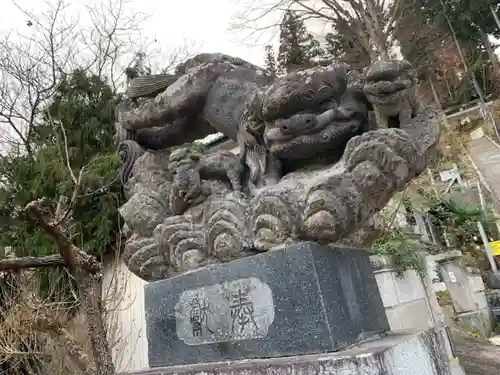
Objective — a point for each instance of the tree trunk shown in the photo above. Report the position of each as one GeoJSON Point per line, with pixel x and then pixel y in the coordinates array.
{"type": "Point", "coordinates": [435, 95]}
{"type": "Point", "coordinates": [450, 94]}
{"type": "Point", "coordinates": [91, 304]}
{"type": "Point", "coordinates": [78, 263]}
{"type": "Point", "coordinates": [375, 29]}
{"type": "Point", "coordinates": [495, 16]}
{"type": "Point", "coordinates": [54, 260]}
{"type": "Point", "coordinates": [63, 339]}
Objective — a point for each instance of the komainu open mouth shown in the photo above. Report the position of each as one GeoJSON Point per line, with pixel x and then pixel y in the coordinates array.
{"type": "Point", "coordinates": [386, 87]}
{"type": "Point", "coordinates": [302, 146]}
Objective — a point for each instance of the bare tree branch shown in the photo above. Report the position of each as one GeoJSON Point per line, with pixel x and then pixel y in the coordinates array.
{"type": "Point", "coordinates": [77, 262]}
{"type": "Point", "coordinates": [376, 33]}
{"type": "Point", "coordinates": [30, 322]}
{"type": "Point", "coordinates": [31, 65]}
{"type": "Point", "coordinates": [34, 59]}
{"type": "Point", "coordinates": [67, 342]}
{"type": "Point", "coordinates": [31, 262]}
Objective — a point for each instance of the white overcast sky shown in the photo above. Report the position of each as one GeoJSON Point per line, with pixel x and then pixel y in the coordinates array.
{"type": "Point", "coordinates": [204, 22]}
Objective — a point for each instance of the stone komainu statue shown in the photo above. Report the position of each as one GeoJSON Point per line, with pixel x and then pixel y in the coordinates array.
{"type": "Point", "coordinates": [313, 165]}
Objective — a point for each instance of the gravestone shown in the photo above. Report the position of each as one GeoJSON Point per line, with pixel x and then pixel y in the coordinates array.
{"type": "Point", "coordinates": [304, 299]}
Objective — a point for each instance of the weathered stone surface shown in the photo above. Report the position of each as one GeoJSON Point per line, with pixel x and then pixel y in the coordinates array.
{"type": "Point", "coordinates": [144, 212]}
{"type": "Point", "coordinates": [406, 353]}
{"type": "Point", "coordinates": [311, 165]}
{"type": "Point", "coordinates": [494, 299]}
{"type": "Point", "coordinates": [304, 299]}
{"type": "Point", "coordinates": [479, 322]}
{"type": "Point", "coordinates": [236, 310]}
{"type": "Point", "coordinates": [493, 280]}
{"type": "Point", "coordinates": [458, 285]}
{"type": "Point", "coordinates": [447, 256]}
{"type": "Point", "coordinates": [391, 91]}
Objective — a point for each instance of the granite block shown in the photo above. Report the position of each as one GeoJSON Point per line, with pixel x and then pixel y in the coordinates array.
{"type": "Point", "coordinates": [304, 299]}
{"type": "Point", "coordinates": [402, 353]}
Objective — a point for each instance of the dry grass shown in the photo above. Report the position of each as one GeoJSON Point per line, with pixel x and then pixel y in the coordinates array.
{"type": "Point", "coordinates": [443, 298]}
{"type": "Point", "coordinates": [25, 346]}
{"type": "Point", "coordinates": [31, 327]}
{"type": "Point", "coordinates": [451, 147]}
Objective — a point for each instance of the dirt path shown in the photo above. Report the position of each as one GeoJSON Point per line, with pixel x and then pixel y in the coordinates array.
{"type": "Point", "coordinates": [486, 156]}
{"type": "Point", "coordinates": [477, 357]}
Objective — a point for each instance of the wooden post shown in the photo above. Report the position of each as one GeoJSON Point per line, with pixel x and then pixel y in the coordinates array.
{"type": "Point", "coordinates": [484, 237]}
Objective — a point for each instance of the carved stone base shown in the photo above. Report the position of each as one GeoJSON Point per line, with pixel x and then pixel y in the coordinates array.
{"type": "Point", "coordinates": [304, 299]}
{"type": "Point", "coordinates": [405, 353]}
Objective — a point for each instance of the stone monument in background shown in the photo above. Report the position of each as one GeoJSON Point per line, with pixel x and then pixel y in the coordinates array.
{"type": "Point", "coordinates": [240, 249]}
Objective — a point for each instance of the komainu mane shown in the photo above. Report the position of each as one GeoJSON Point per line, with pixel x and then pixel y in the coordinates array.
{"type": "Point", "coordinates": [313, 164]}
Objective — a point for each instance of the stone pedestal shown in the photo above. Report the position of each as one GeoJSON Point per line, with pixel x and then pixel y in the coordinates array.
{"type": "Point", "coordinates": [408, 353]}
{"type": "Point", "coordinates": [304, 299]}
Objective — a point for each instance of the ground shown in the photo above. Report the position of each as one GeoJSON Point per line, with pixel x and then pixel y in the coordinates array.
{"type": "Point", "coordinates": [477, 357]}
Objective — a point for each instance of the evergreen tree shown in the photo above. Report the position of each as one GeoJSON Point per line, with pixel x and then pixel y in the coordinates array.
{"type": "Point", "coordinates": [343, 45]}
{"type": "Point", "coordinates": [270, 60]}
{"type": "Point", "coordinates": [469, 19]}
{"type": "Point", "coordinates": [84, 106]}
{"type": "Point", "coordinates": [297, 46]}
{"type": "Point", "coordinates": [472, 23]}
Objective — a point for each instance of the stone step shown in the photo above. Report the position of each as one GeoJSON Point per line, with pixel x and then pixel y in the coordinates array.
{"type": "Point", "coordinates": [402, 353]}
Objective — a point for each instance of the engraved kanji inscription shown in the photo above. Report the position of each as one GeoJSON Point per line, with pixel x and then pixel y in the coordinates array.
{"type": "Point", "coordinates": [242, 311]}
{"type": "Point", "coordinates": [236, 310]}
{"type": "Point", "coordinates": [199, 316]}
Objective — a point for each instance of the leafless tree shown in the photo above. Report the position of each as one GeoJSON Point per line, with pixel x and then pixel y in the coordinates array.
{"type": "Point", "coordinates": [371, 22]}
{"type": "Point", "coordinates": [31, 64]}
{"type": "Point", "coordinates": [33, 61]}
{"type": "Point", "coordinates": [103, 39]}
